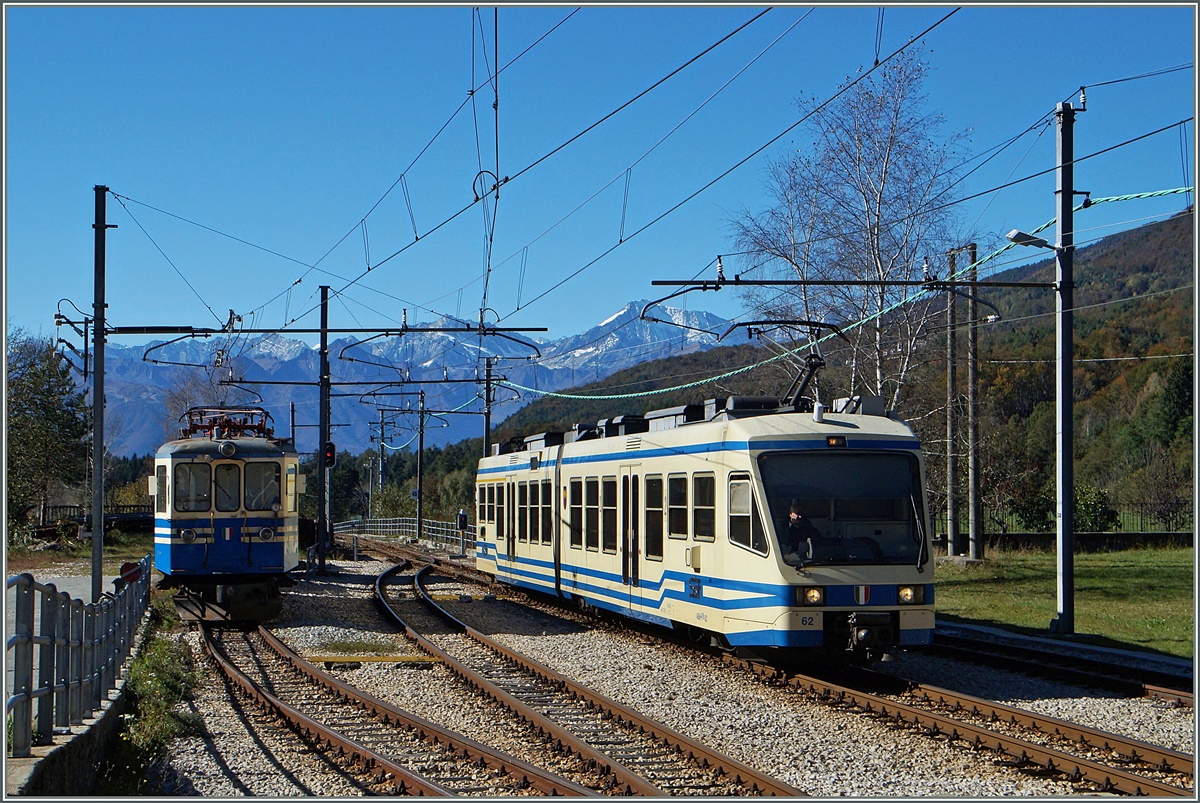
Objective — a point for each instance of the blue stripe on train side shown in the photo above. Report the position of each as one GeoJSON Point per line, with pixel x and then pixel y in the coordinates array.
{"type": "Point", "coordinates": [617, 600]}
{"type": "Point", "coordinates": [911, 444]}
{"type": "Point", "coordinates": [607, 587]}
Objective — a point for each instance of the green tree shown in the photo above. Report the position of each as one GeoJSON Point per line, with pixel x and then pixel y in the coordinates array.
{"type": "Point", "coordinates": [47, 421]}
{"type": "Point", "coordinates": [1093, 513]}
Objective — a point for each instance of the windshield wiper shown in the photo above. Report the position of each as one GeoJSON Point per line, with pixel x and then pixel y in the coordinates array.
{"type": "Point", "coordinates": [922, 557]}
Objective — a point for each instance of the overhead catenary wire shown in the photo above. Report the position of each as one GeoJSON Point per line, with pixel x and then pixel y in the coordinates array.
{"type": "Point", "coordinates": [291, 287]}
{"type": "Point", "coordinates": [908, 298]}
{"type": "Point", "coordinates": [628, 171]}
{"type": "Point", "coordinates": [741, 162]}
{"type": "Point", "coordinates": [455, 215]}
{"type": "Point", "coordinates": [121, 200]}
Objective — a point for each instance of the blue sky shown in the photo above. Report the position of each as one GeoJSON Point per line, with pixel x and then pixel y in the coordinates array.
{"type": "Point", "coordinates": [280, 131]}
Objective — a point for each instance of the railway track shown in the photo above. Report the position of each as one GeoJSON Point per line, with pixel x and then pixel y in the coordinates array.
{"type": "Point", "coordinates": [1127, 680]}
{"type": "Point", "coordinates": [396, 749]}
{"type": "Point", "coordinates": [1098, 761]}
{"type": "Point", "coordinates": [632, 754]}
{"type": "Point", "coordinates": [1094, 760]}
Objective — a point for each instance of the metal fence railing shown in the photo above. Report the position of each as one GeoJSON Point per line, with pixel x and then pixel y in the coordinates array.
{"type": "Point", "coordinates": [440, 533]}
{"type": "Point", "coordinates": [66, 655]}
{"type": "Point", "coordinates": [1147, 519]}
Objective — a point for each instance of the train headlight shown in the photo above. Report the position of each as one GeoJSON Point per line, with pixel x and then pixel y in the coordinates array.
{"type": "Point", "coordinates": [227, 448]}
{"type": "Point", "coordinates": [811, 595]}
{"type": "Point", "coordinates": [266, 533]}
{"type": "Point", "coordinates": [911, 595]}
{"type": "Point", "coordinates": [188, 536]}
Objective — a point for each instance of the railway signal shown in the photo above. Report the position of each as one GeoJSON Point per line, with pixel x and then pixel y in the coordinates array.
{"type": "Point", "coordinates": [329, 454]}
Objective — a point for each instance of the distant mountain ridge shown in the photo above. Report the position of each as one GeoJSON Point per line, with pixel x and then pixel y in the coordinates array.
{"type": "Point", "coordinates": [284, 372]}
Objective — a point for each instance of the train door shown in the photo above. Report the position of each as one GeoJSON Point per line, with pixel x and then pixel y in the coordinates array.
{"type": "Point", "coordinates": [630, 544]}
{"type": "Point", "coordinates": [227, 522]}
{"type": "Point", "coordinates": [550, 497]}
{"type": "Point", "coordinates": [509, 515]}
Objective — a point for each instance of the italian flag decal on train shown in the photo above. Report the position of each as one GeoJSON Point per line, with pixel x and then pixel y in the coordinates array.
{"type": "Point", "coordinates": [862, 594]}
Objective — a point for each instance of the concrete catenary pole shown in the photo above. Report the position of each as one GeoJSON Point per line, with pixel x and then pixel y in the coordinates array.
{"type": "Point", "coordinates": [952, 545]}
{"type": "Point", "coordinates": [1064, 334]}
{"type": "Point", "coordinates": [98, 333]}
{"type": "Point", "coordinates": [974, 500]}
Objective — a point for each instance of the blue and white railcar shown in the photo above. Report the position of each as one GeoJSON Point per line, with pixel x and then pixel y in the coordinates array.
{"type": "Point", "coordinates": [675, 518]}
{"type": "Point", "coordinates": [226, 510]}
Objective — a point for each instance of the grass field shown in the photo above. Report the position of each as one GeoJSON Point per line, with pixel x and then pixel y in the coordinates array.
{"type": "Point", "coordinates": [1135, 599]}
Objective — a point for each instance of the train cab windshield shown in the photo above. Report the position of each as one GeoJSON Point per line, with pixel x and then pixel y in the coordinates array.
{"type": "Point", "coordinates": [851, 507]}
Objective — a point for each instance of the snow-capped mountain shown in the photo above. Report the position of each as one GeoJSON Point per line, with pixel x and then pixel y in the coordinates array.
{"type": "Point", "coordinates": [281, 374]}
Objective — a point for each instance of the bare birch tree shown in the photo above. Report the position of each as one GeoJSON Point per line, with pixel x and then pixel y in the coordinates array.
{"type": "Point", "coordinates": [869, 202]}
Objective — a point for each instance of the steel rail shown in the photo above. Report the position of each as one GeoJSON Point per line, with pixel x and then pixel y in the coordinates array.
{"type": "Point", "coordinates": [1125, 680]}
{"type": "Point", "coordinates": [757, 781]}
{"type": "Point", "coordinates": [530, 775]}
{"type": "Point", "coordinates": [404, 780]}
{"type": "Point", "coordinates": [1019, 752]}
{"type": "Point", "coordinates": [621, 776]}
{"type": "Point", "coordinates": [1160, 758]}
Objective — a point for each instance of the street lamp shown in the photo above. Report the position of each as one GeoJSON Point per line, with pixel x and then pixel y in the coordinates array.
{"type": "Point", "coordinates": [1021, 238]}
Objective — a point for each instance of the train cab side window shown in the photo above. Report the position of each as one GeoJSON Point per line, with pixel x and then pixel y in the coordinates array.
{"type": "Point", "coordinates": [608, 504]}
{"type": "Point", "coordinates": [160, 497]}
{"type": "Point", "coordinates": [677, 506]}
{"type": "Point", "coordinates": [228, 486]}
{"type": "Point", "coordinates": [591, 521]}
{"type": "Point", "coordinates": [704, 507]}
{"type": "Point", "coordinates": [262, 486]}
{"type": "Point", "coordinates": [745, 527]}
{"type": "Point", "coordinates": [576, 514]}
{"type": "Point", "coordinates": [193, 483]}
{"type": "Point", "coordinates": [290, 491]}
{"type": "Point", "coordinates": [547, 511]}
{"type": "Point", "coordinates": [654, 517]}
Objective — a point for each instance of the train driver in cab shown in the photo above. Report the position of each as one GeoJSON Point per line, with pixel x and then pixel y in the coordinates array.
{"type": "Point", "coordinates": [795, 541]}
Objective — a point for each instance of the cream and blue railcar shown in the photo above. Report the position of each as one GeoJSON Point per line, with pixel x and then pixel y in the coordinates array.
{"type": "Point", "coordinates": [226, 510]}
{"type": "Point", "coordinates": [674, 518]}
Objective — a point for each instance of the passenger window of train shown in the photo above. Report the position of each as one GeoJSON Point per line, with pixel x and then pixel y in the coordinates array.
{"type": "Point", "coordinates": [654, 518]}
{"type": "Point", "coordinates": [192, 487]}
{"type": "Point", "coordinates": [535, 512]}
{"type": "Point", "coordinates": [481, 505]}
{"type": "Point", "coordinates": [704, 507]}
{"type": "Point", "coordinates": [677, 507]}
{"type": "Point", "coordinates": [547, 511]}
{"type": "Point", "coordinates": [490, 513]}
{"type": "Point", "coordinates": [591, 522]}
{"type": "Point", "coordinates": [228, 486]}
{"type": "Point", "coordinates": [608, 501]}
{"type": "Point", "coordinates": [577, 514]}
{"type": "Point", "coordinates": [160, 498]}
{"type": "Point", "coordinates": [522, 512]}
{"type": "Point", "coordinates": [500, 513]}
{"type": "Point", "coordinates": [262, 486]}
{"type": "Point", "coordinates": [745, 527]}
